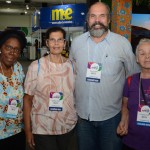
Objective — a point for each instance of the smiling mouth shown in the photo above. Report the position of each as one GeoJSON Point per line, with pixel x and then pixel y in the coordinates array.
{"type": "Point", "coordinates": [56, 48]}
{"type": "Point", "coordinates": [10, 59]}
{"type": "Point", "coordinates": [97, 28]}
{"type": "Point", "coordinates": [146, 62]}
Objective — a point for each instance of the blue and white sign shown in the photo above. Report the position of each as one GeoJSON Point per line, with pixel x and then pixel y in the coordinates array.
{"type": "Point", "coordinates": [72, 15]}
{"type": "Point", "coordinates": [35, 21]}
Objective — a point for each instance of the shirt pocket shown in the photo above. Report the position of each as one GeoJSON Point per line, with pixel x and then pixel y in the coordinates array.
{"type": "Point", "coordinates": [112, 66]}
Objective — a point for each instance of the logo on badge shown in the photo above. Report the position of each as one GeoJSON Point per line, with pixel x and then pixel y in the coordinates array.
{"type": "Point", "coordinates": [94, 66]}
{"type": "Point", "coordinates": [145, 110]}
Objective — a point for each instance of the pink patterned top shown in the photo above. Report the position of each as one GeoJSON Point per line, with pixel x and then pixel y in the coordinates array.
{"type": "Point", "coordinates": [51, 77]}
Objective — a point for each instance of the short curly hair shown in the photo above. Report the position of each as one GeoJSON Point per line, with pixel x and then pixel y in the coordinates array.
{"type": "Point", "coordinates": [11, 33]}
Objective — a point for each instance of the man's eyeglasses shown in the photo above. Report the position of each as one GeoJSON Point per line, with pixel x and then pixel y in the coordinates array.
{"type": "Point", "coordinates": [12, 49]}
{"type": "Point", "coordinates": [53, 41]}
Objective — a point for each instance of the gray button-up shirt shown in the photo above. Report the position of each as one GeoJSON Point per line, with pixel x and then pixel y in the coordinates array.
{"type": "Point", "coordinates": [101, 101]}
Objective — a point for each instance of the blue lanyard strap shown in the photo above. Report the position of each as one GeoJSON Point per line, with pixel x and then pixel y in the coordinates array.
{"type": "Point", "coordinates": [38, 66]}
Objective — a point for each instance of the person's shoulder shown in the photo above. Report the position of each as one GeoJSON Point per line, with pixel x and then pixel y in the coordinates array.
{"type": "Point", "coordinates": [85, 34]}
{"type": "Point", "coordinates": [69, 61]}
{"type": "Point", "coordinates": [81, 37]}
{"type": "Point", "coordinates": [71, 64]}
{"type": "Point", "coordinates": [120, 41]}
{"type": "Point", "coordinates": [18, 63]}
{"type": "Point", "coordinates": [35, 62]}
{"type": "Point", "coordinates": [34, 65]}
{"type": "Point", "coordinates": [42, 59]}
{"type": "Point", "coordinates": [118, 36]}
{"type": "Point", "coordinates": [135, 75]}
{"type": "Point", "coordinates": [133, 79]}
{"type": "Point", "coordinates": [79, 41]}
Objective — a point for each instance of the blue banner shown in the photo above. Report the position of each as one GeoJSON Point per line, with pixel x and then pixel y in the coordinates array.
{"type": "Point", "coordinates": [35, 21]}
{"type": "Point", "coordinates": [72, 15]}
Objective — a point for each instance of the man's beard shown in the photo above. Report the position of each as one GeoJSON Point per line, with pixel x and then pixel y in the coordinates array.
{"type": "Point", "coordinates": [97, 32]}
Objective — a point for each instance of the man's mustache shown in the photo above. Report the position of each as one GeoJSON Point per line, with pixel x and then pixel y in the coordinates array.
{"type": "Point", "coordinates": [101, 24]}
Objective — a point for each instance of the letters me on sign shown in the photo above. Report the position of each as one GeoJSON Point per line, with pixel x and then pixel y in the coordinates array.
{"type": "Point", "coordinates": [71, 15]}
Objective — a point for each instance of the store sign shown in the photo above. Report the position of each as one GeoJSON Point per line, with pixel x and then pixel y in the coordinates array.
{"type": "Point", "coordinates": [60, 14]}
{"type": "Point", "coordinates": [71, 15]}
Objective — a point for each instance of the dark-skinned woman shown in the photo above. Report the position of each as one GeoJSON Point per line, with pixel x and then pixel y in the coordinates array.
{"type": "Point", "coordinates": [12, 42]}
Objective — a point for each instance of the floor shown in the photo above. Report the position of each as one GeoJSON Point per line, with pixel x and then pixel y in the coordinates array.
{"type": "Point", "coordinates": [25, 63]}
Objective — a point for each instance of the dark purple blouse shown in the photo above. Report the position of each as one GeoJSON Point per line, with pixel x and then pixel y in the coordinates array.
{"type": "Point", "coordinates": [138, 137]}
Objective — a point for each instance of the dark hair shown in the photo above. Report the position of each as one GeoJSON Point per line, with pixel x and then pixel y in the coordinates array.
{"type": "Point", "coordinates": [10, 33]}
{"type": "Point", "coordinates": [55, 29]}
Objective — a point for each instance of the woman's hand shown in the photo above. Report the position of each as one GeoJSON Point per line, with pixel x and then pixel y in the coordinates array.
{"type": "Point", "coordinates": [27, 105]}
{"type": "Point", "coordinates": [30, 139]}
{"type": "Point", "coordinates": [122, 128]}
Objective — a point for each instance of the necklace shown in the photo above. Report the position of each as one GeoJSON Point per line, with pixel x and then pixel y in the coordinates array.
{"type": "Point", "coordinates": [2, 69]}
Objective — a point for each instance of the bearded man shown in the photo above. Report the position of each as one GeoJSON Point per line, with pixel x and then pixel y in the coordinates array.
{"type": "Point", "coordinates": [103, 61]}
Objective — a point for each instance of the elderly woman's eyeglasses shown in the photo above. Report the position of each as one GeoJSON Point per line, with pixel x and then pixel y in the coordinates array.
{"type": "Point", "coordinates": [53, 41]}
{"type": "Point", "coordinates": [12, 49]}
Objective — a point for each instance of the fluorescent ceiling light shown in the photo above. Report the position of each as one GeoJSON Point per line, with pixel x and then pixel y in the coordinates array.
{"type": "Point", "coordinates": [27, 7]}
{"type": "Point", "coordinates": [8, 2]}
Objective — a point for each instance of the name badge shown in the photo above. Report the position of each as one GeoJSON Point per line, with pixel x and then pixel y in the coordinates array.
{"type": "Point", "coordinates": [93, 72]}
{"type": "Point", "coordinates": [56, 101]}
{"type": "Point", "coordinates": [13, 108]}
{"type": "Point", "coordinates": [143, 116]}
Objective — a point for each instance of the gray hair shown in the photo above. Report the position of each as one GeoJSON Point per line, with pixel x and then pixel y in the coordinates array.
{"type": "Point", "coordinates": [144, 40]}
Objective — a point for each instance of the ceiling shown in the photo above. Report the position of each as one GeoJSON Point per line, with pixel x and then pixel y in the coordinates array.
{"type": "Point", "coordinates": [19, 6]}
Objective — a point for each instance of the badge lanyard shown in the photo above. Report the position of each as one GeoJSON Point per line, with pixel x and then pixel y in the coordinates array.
{"type": "Point", "coordinates": [13, 104]}
{"type": "Point", "coordinates": [51, 75]}
{"type": "Point", "coordinates": [94, 69]}
{"type": "Point", "coordinates": [105, 55]}
{"type": "Point", "coordinates": [141, 92]}
{"type": "Point", "coordinates": [11, 92]}
{"type": "Point", "coordinates": [56, 97]}
{"type": "Point", "coordinates": [143, 112]}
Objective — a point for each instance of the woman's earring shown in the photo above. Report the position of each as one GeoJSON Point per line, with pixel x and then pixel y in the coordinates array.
{"type": "Point", "coordinates": [0, 52]}
{"type": "Point", "coordinates": [48, 52]}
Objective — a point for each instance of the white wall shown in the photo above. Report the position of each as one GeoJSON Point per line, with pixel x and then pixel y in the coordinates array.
{"type": "Point", "coordinates": [14, 21]}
